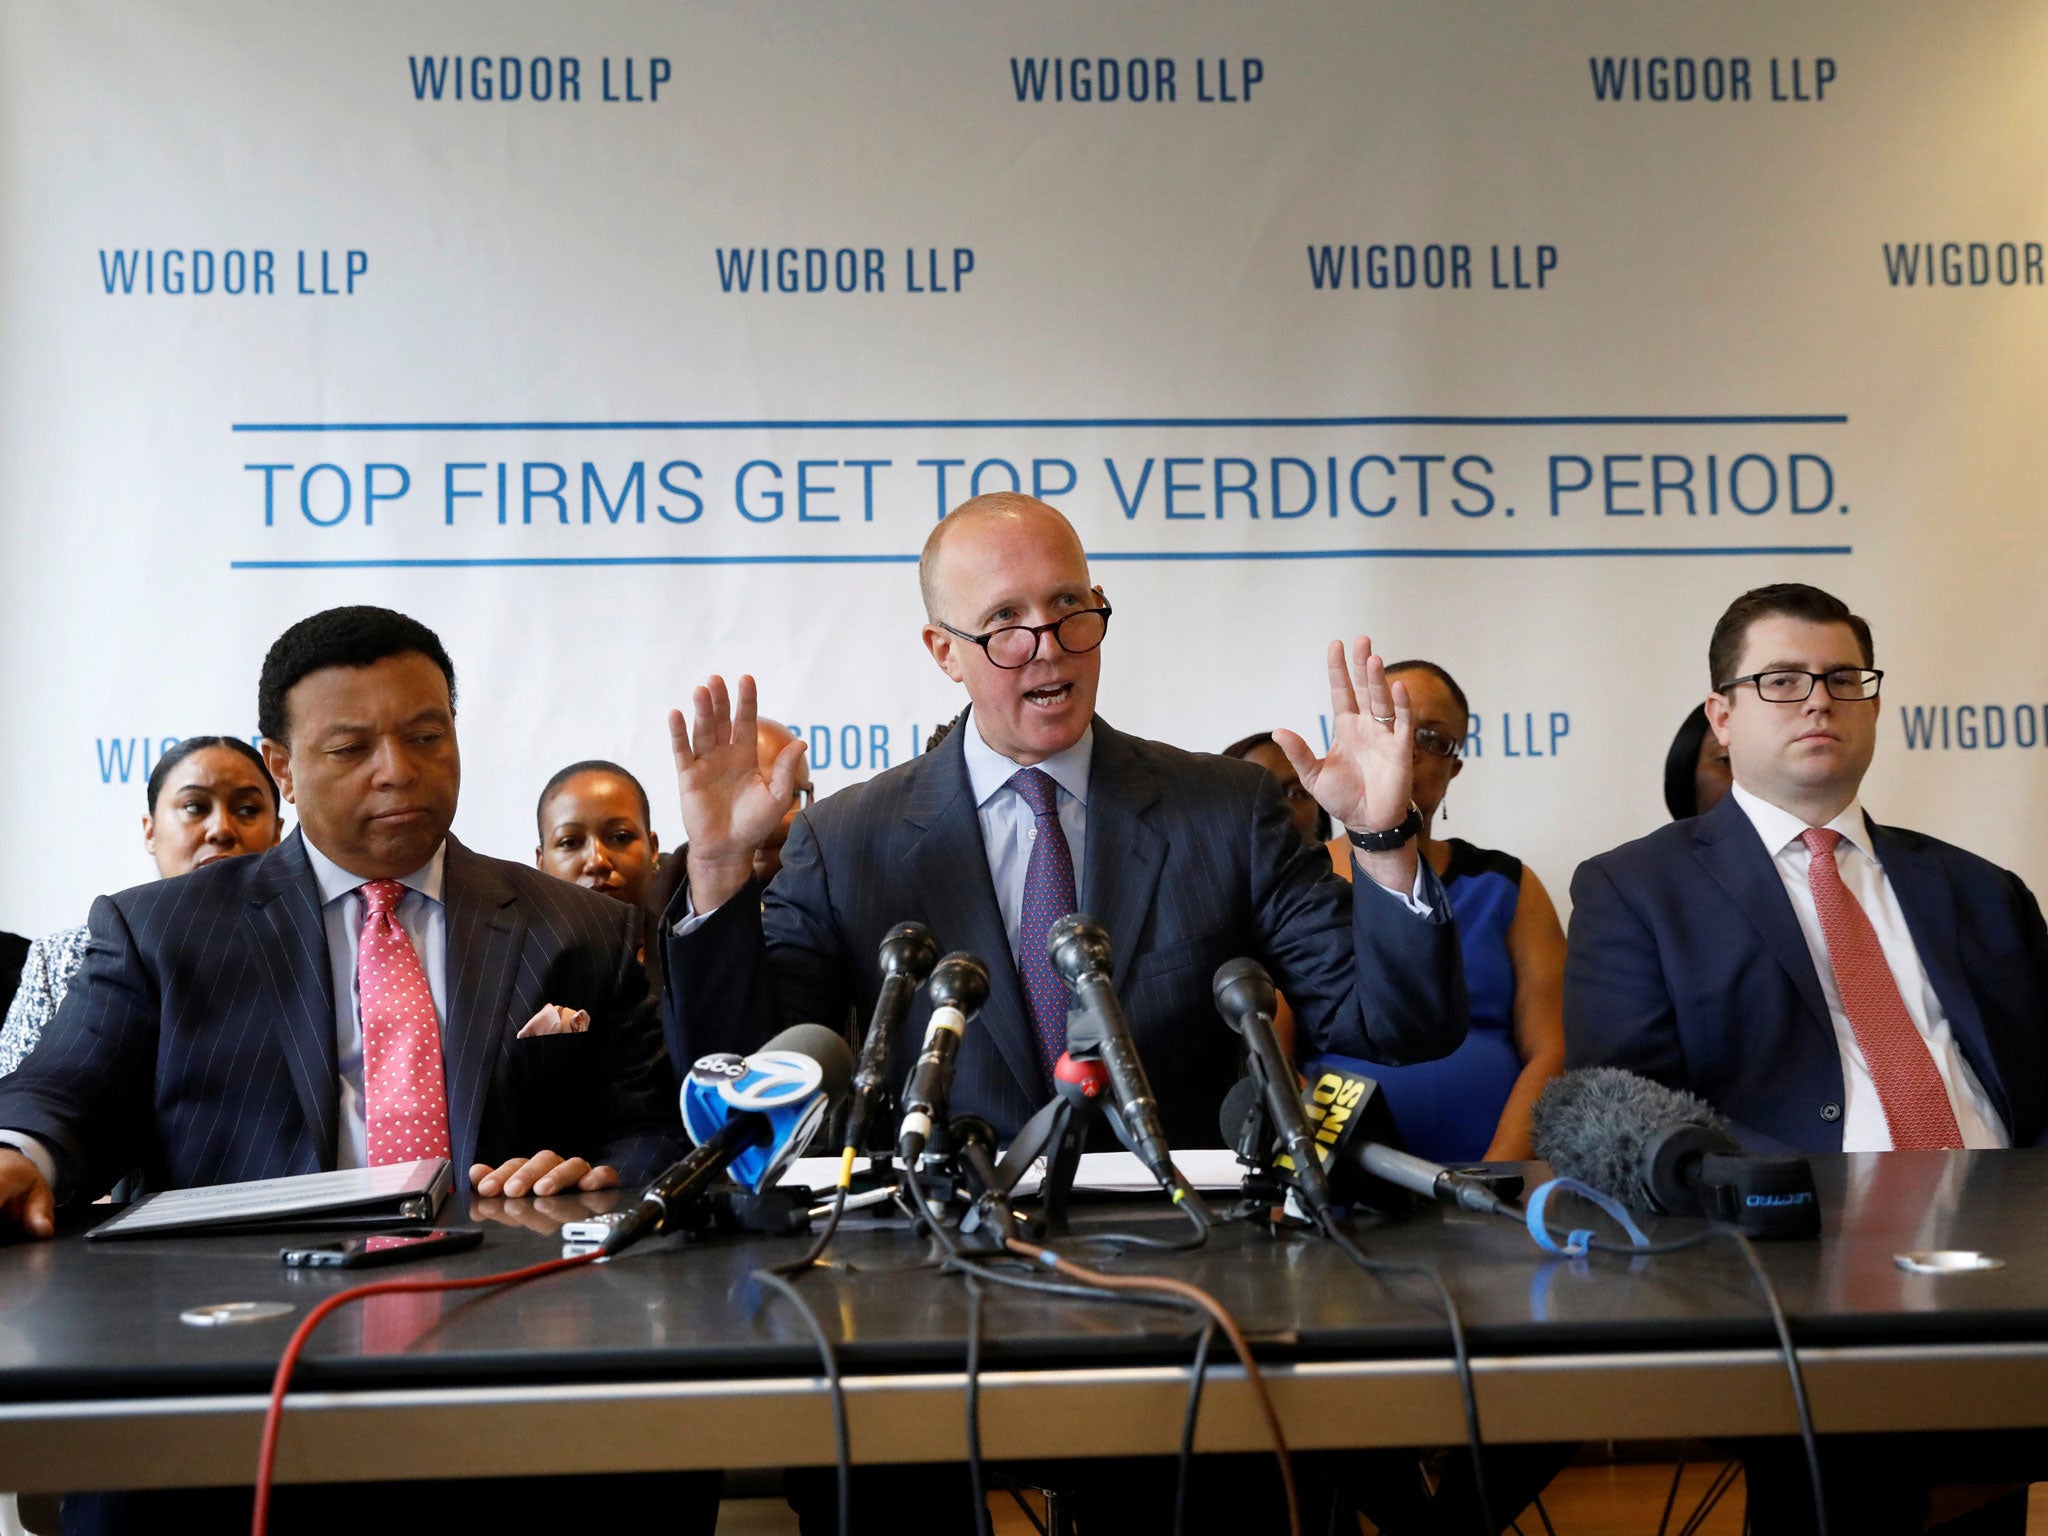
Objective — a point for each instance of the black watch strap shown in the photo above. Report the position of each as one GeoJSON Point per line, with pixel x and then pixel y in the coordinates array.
{"type": "Point", "coordinates": [1393, 837]}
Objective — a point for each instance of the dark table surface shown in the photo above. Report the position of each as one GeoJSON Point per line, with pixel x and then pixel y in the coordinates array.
{"type": "Point", "coordinates": [80, 1321]}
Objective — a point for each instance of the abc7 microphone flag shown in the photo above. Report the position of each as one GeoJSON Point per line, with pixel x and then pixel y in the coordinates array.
{"type": "Point", "coordinates": [785, 1086]}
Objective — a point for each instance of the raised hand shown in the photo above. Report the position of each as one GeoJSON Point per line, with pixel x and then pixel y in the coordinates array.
{"type": "Point", "coordinates": [730, 806]}
{"type": "Point", "coordinates": [1366, 780]}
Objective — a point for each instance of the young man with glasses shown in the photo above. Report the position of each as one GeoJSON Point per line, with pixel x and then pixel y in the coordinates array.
{"type": "Point", "coordinates": [1034, 808]}
{"type": "Point", "coordinates": [1826, 982]}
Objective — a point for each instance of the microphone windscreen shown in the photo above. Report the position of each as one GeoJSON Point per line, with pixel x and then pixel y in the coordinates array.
{"type": "Point", "coordinates": [824, 1046]}
{"type": "Point", "coordinates": [1237, 1109]}
{"type": "Point", "coordinates": [1599, 1125]}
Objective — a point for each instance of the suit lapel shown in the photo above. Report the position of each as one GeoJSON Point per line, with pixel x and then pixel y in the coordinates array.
{"type": "Point", "coordinates": [948, 866]}
{"type": "Point", "coordinates": [1125, 855]}
{"type": "Point", "coordinates": [292, 947]}
{"type": "Point", "coordinates": [1929, 906]}
{"type": "Point", "coordinates": [485, 926]}
{"type": "Point", "coordinates": [1726, 842]}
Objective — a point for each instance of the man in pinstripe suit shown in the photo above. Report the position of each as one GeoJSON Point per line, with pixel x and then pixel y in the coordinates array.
{"type": "Point", "coordinates": [215, 1033]}
{"type": "Point", "coordinates": [1189, 860]}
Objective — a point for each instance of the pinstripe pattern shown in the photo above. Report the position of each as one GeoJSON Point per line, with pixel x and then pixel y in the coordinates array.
{"type": "Point", "coordinates": [1191, 861]}
{"type": "Point", "coordinates": [198, 1041]}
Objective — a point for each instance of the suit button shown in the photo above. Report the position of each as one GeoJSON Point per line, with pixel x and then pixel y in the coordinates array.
{"type": "Point", "coordinates": [1831, 1112]}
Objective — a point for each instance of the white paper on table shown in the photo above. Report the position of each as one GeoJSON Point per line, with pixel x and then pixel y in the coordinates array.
{"type": "Point", "coordinates": [1109, 1173]}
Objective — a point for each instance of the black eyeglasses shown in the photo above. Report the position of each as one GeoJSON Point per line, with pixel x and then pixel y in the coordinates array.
{"type": "Point", "coordinates": [1786, 686]}
{"type": "Point", "coordinates": [1016, 645]}
{"type": "Point", "coordinates": [1436, 743]}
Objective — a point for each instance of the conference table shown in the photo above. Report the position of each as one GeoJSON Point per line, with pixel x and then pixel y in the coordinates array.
{"type": "Point", "coordinates": [670, 1356]}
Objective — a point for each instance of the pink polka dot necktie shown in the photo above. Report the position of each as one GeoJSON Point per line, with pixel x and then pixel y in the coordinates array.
{"type": "Point", "coordinates": [1909, 1085]}
{"type": "Point", "coordinates": [1048, 897]}
{"type": "Point", "coordinates": [404, 1095]}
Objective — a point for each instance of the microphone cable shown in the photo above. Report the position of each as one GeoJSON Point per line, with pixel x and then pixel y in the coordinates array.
{"type": "Point", "coordinates": [1198, 1374]}
{"type": "Point", "coordinates": [842, 1446]}
{"type": "Point", "coordinates": [1094, 1285]}
{"type": "Point", "coordinates": [816, 1252]}
{"type": "Point", "coordinates": [1584, 1241]}
{"type": "Point", "coordinates": [273, 1414]}
{"type": "Point", "coordinates": [1201, 1300]}
{"type": "Point", "coordinates": [1460, 1354]}
{"type": "Point", "coordinates": [1188, 1203]}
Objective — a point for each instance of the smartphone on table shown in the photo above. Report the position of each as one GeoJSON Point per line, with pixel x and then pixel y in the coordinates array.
{"type": "Point", "coordinates": [398, 1247]}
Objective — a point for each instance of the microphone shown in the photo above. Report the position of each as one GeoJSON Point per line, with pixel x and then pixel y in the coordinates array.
{"type": "Point", "coordinates": [1245, 997]}
{"type": "Point", "coordinates": [958, 986]}
{"type": "Point", "coordinates": [1080, 952]}
{"type": "Point", "coordinates": [908, 953]}
{"type": "Point", "coordinates": [1355, 1143]}
{"type": "Point", "coordinates": [1662, 1150]}
{"type": "Point", "coordinates": [1243, 1124]}
{"type": "Point", "coordinates": [751, 1114]}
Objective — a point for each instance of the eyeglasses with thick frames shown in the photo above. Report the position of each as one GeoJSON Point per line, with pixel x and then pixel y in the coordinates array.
{"type": "Point", "coordinates": [1016, 645]}
{"type": "Point", "coordinates": [1436, 743]}
{"type": "Point", "coordinates": [1786, 686]}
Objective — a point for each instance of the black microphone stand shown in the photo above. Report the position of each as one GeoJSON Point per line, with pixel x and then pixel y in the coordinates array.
{"type": "Point", "coordinates": [1059, 1134]}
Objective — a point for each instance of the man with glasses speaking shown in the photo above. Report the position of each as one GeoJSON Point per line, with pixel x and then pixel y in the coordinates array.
{"type": "Point", "coordinates": [1825, 982]}
{"type": "Point", "coordinates": [1034, 808]}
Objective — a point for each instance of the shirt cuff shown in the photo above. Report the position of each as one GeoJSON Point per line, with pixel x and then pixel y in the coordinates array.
{"type": "Point", "coordinates": [1412, 898]}
{"type": "Point", "coordinates": [692, 919]}
{"type": "Point", "coordinates": [33, 1149]}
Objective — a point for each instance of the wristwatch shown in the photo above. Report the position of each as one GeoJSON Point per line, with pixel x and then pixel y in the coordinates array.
{"type": "Point", "coordinates": [1393, 837]}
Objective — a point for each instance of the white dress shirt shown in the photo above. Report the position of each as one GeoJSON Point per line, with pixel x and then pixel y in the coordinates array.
{"type": "Point", "coordinates": [423, 915]}
{"type": "Point", "coordinates": [1864, 1128]}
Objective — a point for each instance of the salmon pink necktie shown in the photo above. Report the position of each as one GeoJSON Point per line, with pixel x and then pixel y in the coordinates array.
{"type": "Point", "coordinates": [1909, 1086]}
{"type": "Point", "coordinates": [404, 1095]}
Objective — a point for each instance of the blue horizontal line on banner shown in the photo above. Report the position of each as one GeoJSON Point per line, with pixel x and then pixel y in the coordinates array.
{"type": "Point", "coordinates": [850, 424]}
{"type": "Point", "coordinates": [1591, 552]}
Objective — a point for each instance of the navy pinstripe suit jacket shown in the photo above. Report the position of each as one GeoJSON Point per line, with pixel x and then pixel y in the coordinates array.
{"type": "Point", "coordinates": [1191, 861]}
{"type": "Point", "coordinates": [198, 1042]}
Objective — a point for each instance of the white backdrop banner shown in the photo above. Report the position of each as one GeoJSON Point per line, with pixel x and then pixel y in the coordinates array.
{"type": "Point", "coordinates": [621, 344]}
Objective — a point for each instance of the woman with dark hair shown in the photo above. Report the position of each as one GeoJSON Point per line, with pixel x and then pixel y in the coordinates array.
{"type": "Point", "coordinates": [1310, 819]}
{"type": "Point", "coordinates": [210, 797]}
{"type": "Point", "coordinates": [1696, 771]}
{"type": "Point", "coordinates": [1474, 1104]}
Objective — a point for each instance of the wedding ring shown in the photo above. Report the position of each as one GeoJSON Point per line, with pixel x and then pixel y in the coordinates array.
{"type": "Point", "coordinates": [1384, 719]}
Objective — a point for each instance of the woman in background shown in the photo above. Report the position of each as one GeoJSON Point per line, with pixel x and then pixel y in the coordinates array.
{"type": "Point", "coordinates": [1696, 771]}
{"type": "Point", "coordinates": [210, 798]}
{"type": "Point", "coordinates": [1310, 819]}
{"type": "Point", "coordinates": [1473, 1105]}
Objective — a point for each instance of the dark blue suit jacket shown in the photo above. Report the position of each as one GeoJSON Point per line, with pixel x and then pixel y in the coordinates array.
{"type": "Point", "coordinates": [198, 1042]}
{"type": "Point", "coordinates": [1191, 861]}
{"type": "Point", "coordinates": [1687, 965]}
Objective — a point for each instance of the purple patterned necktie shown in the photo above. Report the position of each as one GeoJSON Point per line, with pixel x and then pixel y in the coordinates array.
{"type": "Point", "coordinates": [1048, 897]}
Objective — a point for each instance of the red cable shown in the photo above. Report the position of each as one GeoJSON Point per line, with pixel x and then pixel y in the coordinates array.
{"type": "Point", "coordinates": [274, 1414]}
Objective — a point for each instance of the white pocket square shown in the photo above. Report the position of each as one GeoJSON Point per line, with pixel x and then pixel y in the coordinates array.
{"type": "Point", "coordinates": [554, 1019]}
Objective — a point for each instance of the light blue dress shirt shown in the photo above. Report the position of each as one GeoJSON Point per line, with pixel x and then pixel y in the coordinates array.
{"type": "Point", "coordinates": [423, 915]}
{"type": "Point", "coordinates": [1008, 827]}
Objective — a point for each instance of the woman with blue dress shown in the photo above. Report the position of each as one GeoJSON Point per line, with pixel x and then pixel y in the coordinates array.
{"type": "Point", "coordinates": [1473, 1105]}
